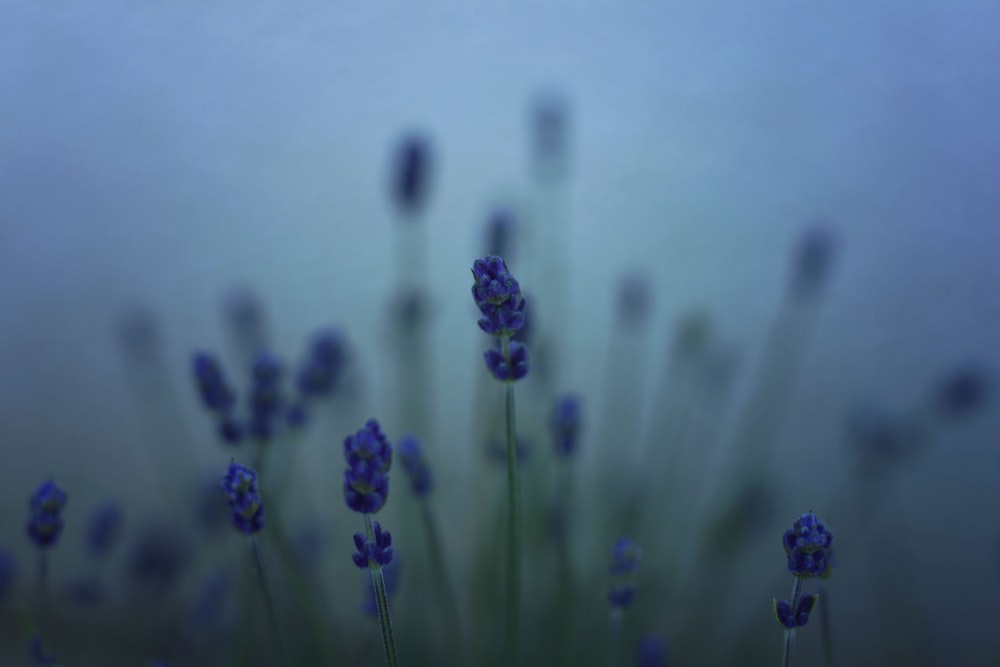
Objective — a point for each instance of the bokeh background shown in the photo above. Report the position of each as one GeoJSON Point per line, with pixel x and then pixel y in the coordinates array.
{"type": "Point", "coordinates": [159, 158]}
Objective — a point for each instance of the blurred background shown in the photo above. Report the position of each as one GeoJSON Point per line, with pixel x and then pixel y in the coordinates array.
{"type": "Point", "coordinates": [807, 192]}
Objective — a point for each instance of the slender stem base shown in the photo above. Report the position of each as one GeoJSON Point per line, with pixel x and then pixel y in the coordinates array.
{"type": "Point", "coordinates": [443, 582]}
{"type": "Point", "coordinates": [614, 645]}
{"type": "Point", "coordinates": [381, 601]}
{"type": "Point", "coordinates": [513, 524]}
{"type": "Point", "coordinates": [272, 616]}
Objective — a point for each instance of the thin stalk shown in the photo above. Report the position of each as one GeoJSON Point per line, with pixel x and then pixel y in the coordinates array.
{"type": "Point", "coordinates": [381, 600]}
{"type": "Point", "coordinates": [786, 660]}
{"type": "Point", "coordinates": [824, 620]}
{"type": "Point", "coordinates": [614, 644]}
{"type": "Point", "coordinates": [513, 523]}
{"type": "Point", "coordinates": [564, 566]}
{"type": "Point", "coordinates": [272, 616]}
{"type": "Point", "coordinates": [441, 574]}
{"type": "Point", "coordinates": [43, 587]}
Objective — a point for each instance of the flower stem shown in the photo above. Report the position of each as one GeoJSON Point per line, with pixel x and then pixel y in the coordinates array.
{"type": "Point", "coordinates": [43, 588]}
{"type": "Point", "coordinates": [786, 660]}
{"type": "Point", "coordinates": [824, 620]}
{"type": "Point", "coordinates": [443, 583]}
{"type": "Point", "coordinates": [272, 616]}
{"type": "Point", "coordinates": [381, 600]}
{"type": "Point", "coordinates": [513, 523]}
{"type": "Point", "coordinates": [614, 645]}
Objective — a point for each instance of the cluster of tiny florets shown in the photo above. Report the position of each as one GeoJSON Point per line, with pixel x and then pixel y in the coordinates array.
{"type": "Point", "coordinates": [809, 545]}
{"type": "Point", "coordinates": [366, 479]}
{"type": "Point", "coordinates": [798, 617]}
{"type": "Point", "coordinates": [45, 523]}
{"type": "Point", "coordinates": [243, 494]}
{"type": "Point", "coordinates": [498, 296]}
{"type": "Point", "coordinates": [378, 550]}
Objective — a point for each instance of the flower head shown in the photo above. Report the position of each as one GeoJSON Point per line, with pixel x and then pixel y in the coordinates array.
{"type": "Point", "coordinates": [243, 494]}
{"type": "Point", "coordinates": [325, 361]}
{"type": "Point", "coordinates": [624, 566]}
{"type": "Point", "coordinates": [498, 296]}
{"type": "Point", "coordinates": [412, 457]}
{"type": "Point", "coordinates": [565, 424]}
{"type": "Point", "coordinates": [378, 550]}
{"type": "Point", "coordinates": [216, 392]}
{"type": "Point", "coordinates": [104, 529]}
{"type": "Point", "coordinates": [808, 544]}
{"type": "Point", "coordinates": [652, 651]}
{"type": "Point", "coordinates": [45, 523]}
{"type": "Point", "coordinates": [266, 400]}
{"type": "Point", "coordinates": [798, 617]}
{"type": "Point", "coordinates": [411, 173]}
{"type": "Point", "coordinates": [366, 480]}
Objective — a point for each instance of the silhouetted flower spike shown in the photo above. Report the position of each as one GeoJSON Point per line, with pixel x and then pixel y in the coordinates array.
{"type": "Point", "coordinates": [243, 494]}
{"type": "Point", "coordinates": [500, 230]}
{"type": "Point", "coordinates": [324, 365]}
{"type": "Point", "coordinates": [377, 551]}
{"type": "Point", "coordinates": [566, 424]}
{"type": "Point", "coordinates": [963, 391]}
{"type": "Point", "coordinates": [813, 258]}
{"type": "Point", "coordinates": [266, 398]}
{"type": "Point", "coordinates": [366, 480]}
{"type": "Point", "coordinates": [45, 524]}
{"type": "Point", "coordinates": [809, 545]}
{"type": "Point", "coordinates": [104, 529]}
{"type": "Point", "coordinates": [411, 175]}
{"type": "Point", "coordinates": [633, 301]}
{"type": "Point", "coordinates": [498, 296]}
{"type": "Point", "coordinates": [216, 393]}
{"type": "Point", "coordinates": [500, 369]}
{"type": "Point", "coordinates": [652, 651]}
{"type": "Point", "coordinates": [412, 457]}
{"type": "Point", "coordinates": [624, 566]}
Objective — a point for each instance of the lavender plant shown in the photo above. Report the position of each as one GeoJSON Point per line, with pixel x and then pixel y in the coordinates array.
{"type": "Point", "coordinates": [809, 550]}
{"type": "Point", "coordinates": [366, 488]}
{"type": "Point", "coordinates": [498, 296]}
{"type": "Point", "coordinates": [242, 491]}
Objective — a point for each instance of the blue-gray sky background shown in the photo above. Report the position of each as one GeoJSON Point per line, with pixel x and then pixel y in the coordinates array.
{"type": "Point", "coordinates": [162, 153]}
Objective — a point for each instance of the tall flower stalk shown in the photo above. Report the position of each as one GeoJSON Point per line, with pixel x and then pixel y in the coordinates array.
{"type": "Point", "coordinates": [45, 526]}
{"type": "Point", "coordinates": [498, 296]}
{"type": "Point", "coordinates": [242, 491]}
{"type": "Point", "coordinates": [366, 487]}
{"type": "Point", "coordinates": [808, 545]}
{"type": "Point", "coordinates": [422, 484]}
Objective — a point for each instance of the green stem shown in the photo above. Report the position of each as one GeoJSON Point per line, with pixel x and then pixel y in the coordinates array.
{"type": "Point", "coordinates": [824, 620]}
{"type": "Point", "coordinates": [513, 523]}
{"type": "Point", "coordinates": [272, 616]}
{"type": "Point", "coordinates": [43, 588]}
{"type": "Point", "coordinates": [381, 600]}
{"type": "Point", "coordinates": [441, 574]}
{"type": "Point", "coordinates": [616, 637]}
{"type": "Point", "coordinates": [786, 660]}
